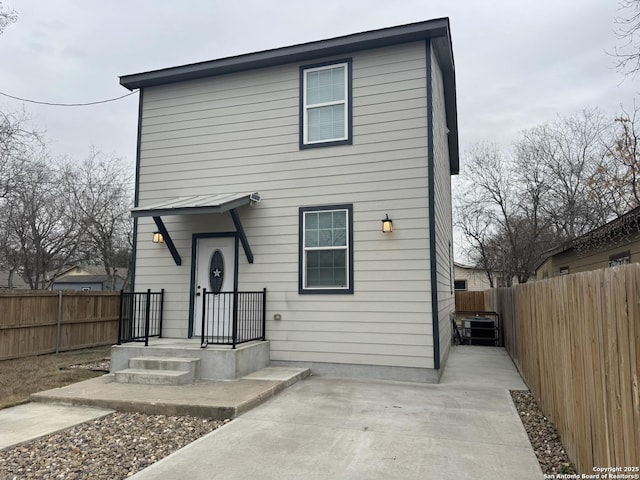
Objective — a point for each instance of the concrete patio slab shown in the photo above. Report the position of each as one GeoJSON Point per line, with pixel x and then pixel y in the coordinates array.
{"type": "Point", "coordinates": [205, 398]}
{"type": "Point", "coordinates": [331, 428]}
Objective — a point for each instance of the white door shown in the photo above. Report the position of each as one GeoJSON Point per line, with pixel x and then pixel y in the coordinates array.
{"type": "Point", "coordinates": [215, 272]}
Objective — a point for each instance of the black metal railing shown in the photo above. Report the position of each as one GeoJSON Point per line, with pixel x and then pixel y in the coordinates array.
{"type": "Point", "coordinates": [231, 318]}
{"type": "Point", "coordinates": [140, 316]}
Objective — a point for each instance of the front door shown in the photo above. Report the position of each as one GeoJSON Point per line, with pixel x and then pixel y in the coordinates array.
{"type": "Point", "coordinates": [215, 272]}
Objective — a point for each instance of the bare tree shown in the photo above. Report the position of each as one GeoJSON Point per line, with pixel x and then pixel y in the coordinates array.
{"type": "Point", "coordinates": [561, 180]}
{"type": "Point", "coordinates": [10, 260]}
{"type": "Point", "coordinates": [99, 189]}
{"type": "Point", "coordinates": [617, 179]}
{"type": "Point", "coordinates": [7, 17]}
{"type": "Point", "coordinates": [500, 213]}
{"type": "Point", "coordinates": [42, 228]}
{"type": "Point", "coordinates": [561, 159]}
{"type": "Point", "coordinates": [628, 29]}
{"type": "Point", "coordinates": [17, 141]}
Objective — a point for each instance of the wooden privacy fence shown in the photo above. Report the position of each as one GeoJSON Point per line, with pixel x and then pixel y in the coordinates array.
{"type": "Point", "coordinates": [34, 323]}
{"type": "Point", "coordinates": [470, 301]}
{"type": "Point", "coordinates": [576, 341]}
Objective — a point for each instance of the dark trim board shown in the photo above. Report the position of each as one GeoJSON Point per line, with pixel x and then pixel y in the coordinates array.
{"type": "Point", "coordinates": [168, 240]}
{"type": "Point", "coordinates": [433, 261]}
{"type": "Point", "coordinates": [194, 243]}
{"type": "Point", "coordinates": [241, 234]}
{"type": "Point", "coordinates": [136, 193]}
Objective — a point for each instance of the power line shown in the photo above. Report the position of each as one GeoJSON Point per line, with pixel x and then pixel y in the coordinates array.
{"type": "Point", "coordinates": [67, 104]}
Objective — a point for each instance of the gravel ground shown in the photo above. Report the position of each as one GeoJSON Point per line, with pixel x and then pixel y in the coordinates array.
{"type": "Point", "coordinates": [110, 448]}
{"type": "Point", "coordinates": [100, 366]}
{"type": "Point", "coordinates": [542, 434]}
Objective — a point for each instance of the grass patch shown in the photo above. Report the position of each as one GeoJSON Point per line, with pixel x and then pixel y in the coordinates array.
{"type": "Point", "coordinates": [21, 377]}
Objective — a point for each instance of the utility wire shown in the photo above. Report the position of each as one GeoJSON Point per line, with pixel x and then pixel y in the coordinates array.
{"type": "Point", "coordinates": [67, 104]}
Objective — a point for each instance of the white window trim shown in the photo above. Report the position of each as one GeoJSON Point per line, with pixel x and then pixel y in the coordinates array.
{"type": "Point", "coordinates": [306, 249]}
{"type": "Point", "coordinates": [306, 107]}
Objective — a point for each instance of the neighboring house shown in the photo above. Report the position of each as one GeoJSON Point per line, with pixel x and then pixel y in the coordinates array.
{"type": "Point", "coordinates": [87, 278]}
{"type": "Point", "coordinates": [334, 135]}
{"type": "Point", "coordinates": [472, 279]}
{"type": "Point", "coordinates": [17, 283]}
{"type": "Point", "coordinates": [615, 243]}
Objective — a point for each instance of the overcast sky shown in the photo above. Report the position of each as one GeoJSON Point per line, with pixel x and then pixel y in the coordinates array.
{"type": "Point", "coordinates": [518, 63]}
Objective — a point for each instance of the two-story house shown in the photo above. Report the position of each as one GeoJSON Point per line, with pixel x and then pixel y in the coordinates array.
{"type": "Point", "coordinates": [275, 170]}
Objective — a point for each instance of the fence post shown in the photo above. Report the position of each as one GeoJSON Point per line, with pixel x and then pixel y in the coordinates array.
{"type": "Point", "coordinates": [234, 319]}
{"type": "Point", "coordinates": [59, 321]}
{"type": "Point", "coordinates": [161, 310]}
{"type": "Point", "coordinates": [264, 314]}
{"type": "Point", "coordinates": [147, 314]}
{"type": "Point", "coordinates": [120, 320]}
{"type": "Point", "coordinates": [204, 311]}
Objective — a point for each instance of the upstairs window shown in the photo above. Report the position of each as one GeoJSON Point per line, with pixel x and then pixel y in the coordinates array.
{"type": "Point", "coordinates": [325, 104]}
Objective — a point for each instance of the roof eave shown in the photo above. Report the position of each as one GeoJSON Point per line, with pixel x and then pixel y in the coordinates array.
{"type": "Point", "coordinates": [295, 53]}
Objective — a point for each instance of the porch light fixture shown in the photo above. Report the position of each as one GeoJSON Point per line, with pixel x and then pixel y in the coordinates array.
{"type": "Point", "coordinates": [387, 224]}
{"type": "Point", "coordinates": [157, 237]}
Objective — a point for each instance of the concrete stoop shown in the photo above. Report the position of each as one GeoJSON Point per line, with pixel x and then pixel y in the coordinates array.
{"type": "Point", "coordinates": [159, 371]}
{"type": "Point", "coordinates": [165, 355]}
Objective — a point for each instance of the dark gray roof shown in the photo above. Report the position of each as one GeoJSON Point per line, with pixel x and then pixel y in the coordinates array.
{"type": "Point", "coordinates": [437, 30]}
{"type": "Point", "coordinates": [619, 230]}
{"type": "Point", "coordinates": [81, 279]}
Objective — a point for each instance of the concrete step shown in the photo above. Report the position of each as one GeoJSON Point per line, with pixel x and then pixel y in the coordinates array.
{"type": "Point", "coordinates": [159, 371]}
{"type": "Point", "coordinates": [164, 363]}
{"type": "Point", "coordinates": [148, 376]}
{"type": "Point", "coordinates": [287, 376]}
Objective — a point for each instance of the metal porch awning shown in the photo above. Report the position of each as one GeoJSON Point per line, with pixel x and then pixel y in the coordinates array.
{"type": "Point", "coordinates": [199, 204]}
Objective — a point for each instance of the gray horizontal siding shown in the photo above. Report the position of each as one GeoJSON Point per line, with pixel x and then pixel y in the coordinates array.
{"type": "Point", "coordinates": [240, 134]}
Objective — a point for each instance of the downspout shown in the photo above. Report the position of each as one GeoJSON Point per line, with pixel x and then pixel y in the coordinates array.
{"type": "Point", "coordinates": [136, 195]}
{"type": "Point", "coordinates": [435, 320]}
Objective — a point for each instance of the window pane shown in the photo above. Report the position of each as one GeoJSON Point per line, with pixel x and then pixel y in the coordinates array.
{"type": "Point", "coordinates": [326, 122]}
{"type": "Point", "coordinates": [313, 260]}
{"type": "Point", "coordinates": [339, 238]}
{"type": "Point", "coordinates": [326, 229]}
{"type": "Point", "coordinates": [326, 268]}
{"type": "Point", "coordinates": [325, 258]}
{"type": "Point", "coordinates": [313, 277]}
{"type": "Point", "coordinates": [339, 229]}
{"type": "Point", "coordinates": [325, 237]}
{"type": "Point", "coordinates": [311, 220]}
{"type": "Point", "coordinates": [325, 219]}
{"type": "Point", "coordinates": [340, 219]}
{"type": "Point", "coordinates": [325, 85]}
{"type": "Point", "coordinates": [311, 238]}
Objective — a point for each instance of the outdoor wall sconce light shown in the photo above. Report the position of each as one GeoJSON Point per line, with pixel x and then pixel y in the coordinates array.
{"type": "Point", "coordinates": [157, 237]}
{"type": "Point", "coordinates": [387, 224]}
